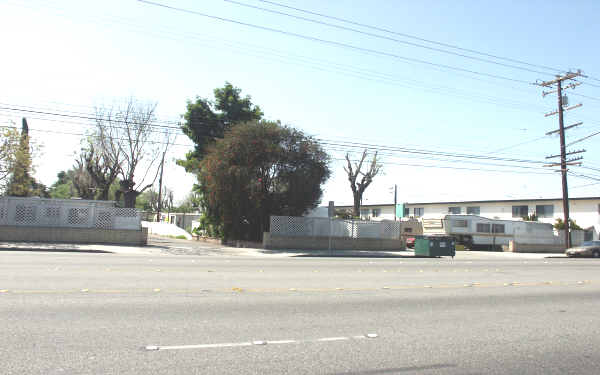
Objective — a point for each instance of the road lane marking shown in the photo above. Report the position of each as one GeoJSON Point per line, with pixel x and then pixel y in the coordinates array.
{"type": "Point", "coordinates": [258, 343]}
{"type": "Point", "coordinates": [202, 346]}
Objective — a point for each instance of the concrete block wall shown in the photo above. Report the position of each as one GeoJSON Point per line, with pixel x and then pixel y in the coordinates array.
{"type": "Point", "coordinates": [74, 235]}
{"type": "Point", "coordinates": [516, 247]}
{"type": "Point", "coordinates": [337, 243]}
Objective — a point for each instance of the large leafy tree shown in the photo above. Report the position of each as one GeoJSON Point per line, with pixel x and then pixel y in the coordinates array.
{"type": "Point", "coordinates": [206, 121]}
{"type": "Point", "coordinates": [259, 169]}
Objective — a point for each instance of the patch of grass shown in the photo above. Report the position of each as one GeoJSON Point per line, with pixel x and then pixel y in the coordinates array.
{"type": "Point", "coordinates": [179, 237]}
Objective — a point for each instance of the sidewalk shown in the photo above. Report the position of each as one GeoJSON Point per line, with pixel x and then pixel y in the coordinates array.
{"type": "Point", "coordinates": [168, 246]}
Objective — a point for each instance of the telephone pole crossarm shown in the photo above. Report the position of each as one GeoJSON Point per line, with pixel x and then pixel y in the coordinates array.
{"type": "Point", "coordinates": [568, 153]}
{"type": "Point", "coordinates": [566, 128]}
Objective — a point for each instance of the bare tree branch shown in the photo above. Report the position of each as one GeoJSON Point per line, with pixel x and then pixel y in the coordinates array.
{"type": "Point", "coordinates": [358, 188]}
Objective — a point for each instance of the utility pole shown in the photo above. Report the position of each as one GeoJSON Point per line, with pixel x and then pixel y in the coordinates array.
{"type": "Point", "coordinates": [561, 131]}
{"type": "Point", "coordinates": [162, 164]}
{"type": "Point", "coordinates": [395, 201]}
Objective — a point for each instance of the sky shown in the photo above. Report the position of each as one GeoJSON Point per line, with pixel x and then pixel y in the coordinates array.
{"type": "Point", "coordinates": [385, 87]}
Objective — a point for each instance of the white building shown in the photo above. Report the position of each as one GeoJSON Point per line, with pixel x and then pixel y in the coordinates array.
{"type": "Point", "coordinates": [585, 211]}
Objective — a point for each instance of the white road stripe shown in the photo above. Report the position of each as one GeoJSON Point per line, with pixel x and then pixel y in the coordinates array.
{"type": "Point", "coordinates": [333, 339]}
{"type": "Point", "coordinates": [205, 346]}
{"type": "Point", "coordinates": [259, 342]}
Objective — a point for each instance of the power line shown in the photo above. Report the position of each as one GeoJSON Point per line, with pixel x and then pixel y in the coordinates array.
{"type": "Point", "coordinates": [395, 156]}
{"type": "Point", "coordinates": [85, 117]}
{"type": "Point", "coordinates": [95, 136]}
{"type": "Point", "coordinates": [555, 70]}
{"type": "Point", "coordinates": [388, 163]}
{"type": "Point", "coordinates": [385, 37]}
{"type": "Point", "coordinates": [384, 79]}
{"type": "Point", "coordinates": [325, 141]}
{"type": "Point", "coordinates": [330, 42]}
{"type": "Point", "coordinates": [425, 152]}
{"type": "Point", "coordinates": [455, 168]}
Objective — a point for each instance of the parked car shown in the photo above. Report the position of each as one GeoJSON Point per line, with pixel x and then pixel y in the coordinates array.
{"type": "Point", "coordinates": [588, 249]}
{"type": "Point", "coordinates": [410, 242]}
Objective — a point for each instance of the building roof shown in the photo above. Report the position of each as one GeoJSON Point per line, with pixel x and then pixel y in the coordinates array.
{"type": "Point", "coordinates": [483, 201]}
{"type": "Point", "coordinates": [510, 200]}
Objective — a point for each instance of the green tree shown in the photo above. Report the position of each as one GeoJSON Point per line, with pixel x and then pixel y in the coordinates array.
{"type": "Point", "coordinates": [21, 182]}
{"type": "Point", "coordinates": [63, 187]}
{"type": "Point", "coordinates": [560, 224]}
{"type": "Point", "coordinates": [9, 144]}
{"type": "Point", "coordinates": [260, 169]}
{"type": "Point", "coordinates": [206, 121]}
{"type": "Point", "coordinates": [190, 203]}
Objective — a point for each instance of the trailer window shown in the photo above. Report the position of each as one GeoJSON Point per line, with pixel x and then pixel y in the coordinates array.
{"type": "Point", "coordinates": [483, 228]}
{"type": "Point", "coordinates": [460, 224]}
{"type": "Point", "coordinates": [497, 228]}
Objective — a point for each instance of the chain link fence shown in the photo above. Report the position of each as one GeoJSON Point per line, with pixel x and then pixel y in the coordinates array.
{"type": "Point", "coordinates": [293, 226]}
{"type": "Point", "coordinates": [65, 213]}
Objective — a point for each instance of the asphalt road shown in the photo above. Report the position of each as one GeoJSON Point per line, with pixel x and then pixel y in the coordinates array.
{"type": "Point", "coordinates": [86, 313]}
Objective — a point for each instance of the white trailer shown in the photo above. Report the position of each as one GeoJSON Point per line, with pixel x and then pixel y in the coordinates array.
{"type": "Point", "coordinates": [480, 232]}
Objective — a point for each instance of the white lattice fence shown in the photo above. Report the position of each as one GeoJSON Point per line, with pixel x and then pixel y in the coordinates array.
{"type": "Point", "coordinates": [292, 226]}
{"type": "Point", "coordinates": [67, 213]}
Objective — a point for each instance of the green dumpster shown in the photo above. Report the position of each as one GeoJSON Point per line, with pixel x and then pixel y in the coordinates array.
{"type": "Point", "coordinates": [434, 246]}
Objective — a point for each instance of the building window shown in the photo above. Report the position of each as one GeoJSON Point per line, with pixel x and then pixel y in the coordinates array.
{"type": "Point", "coordinates": [406, 212]}
{"type": "Point", "coordinates": [408, 230]}
{"type": "Point", "coordinates": [364, 214]}
{"type": "Point", "coordinates": [376, 212]}
{"type": "Point", "coordinates": [544, 210]}
{"type": "Point", "coordinates": [419, 211]}
{"type": "Point", "coordinates": [473, 210]}
{"type": "Point", "coordinates": [454, 210]}
{"type": "Point", "coordinates": [497, 228]}
{"type": "Point", "coordinates": [483, 228]}
{"type": "Point", "coordinates": [520, 211]}
{"type": "Point", "coordinates": [460, 224]}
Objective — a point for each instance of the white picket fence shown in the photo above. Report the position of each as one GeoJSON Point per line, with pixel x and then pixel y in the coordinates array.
{"type": "Point", "coordinates": [67, 213]}
{"type": "Point", "coordinates": [293, 226]}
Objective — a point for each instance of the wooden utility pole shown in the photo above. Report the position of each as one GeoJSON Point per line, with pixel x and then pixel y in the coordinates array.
{"type": "Point", "coordinates": [561, 131]}
{"type": "Point", "coordinates": [395, 201]}
{"type": "Point", "coordinates": [159, 205]}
